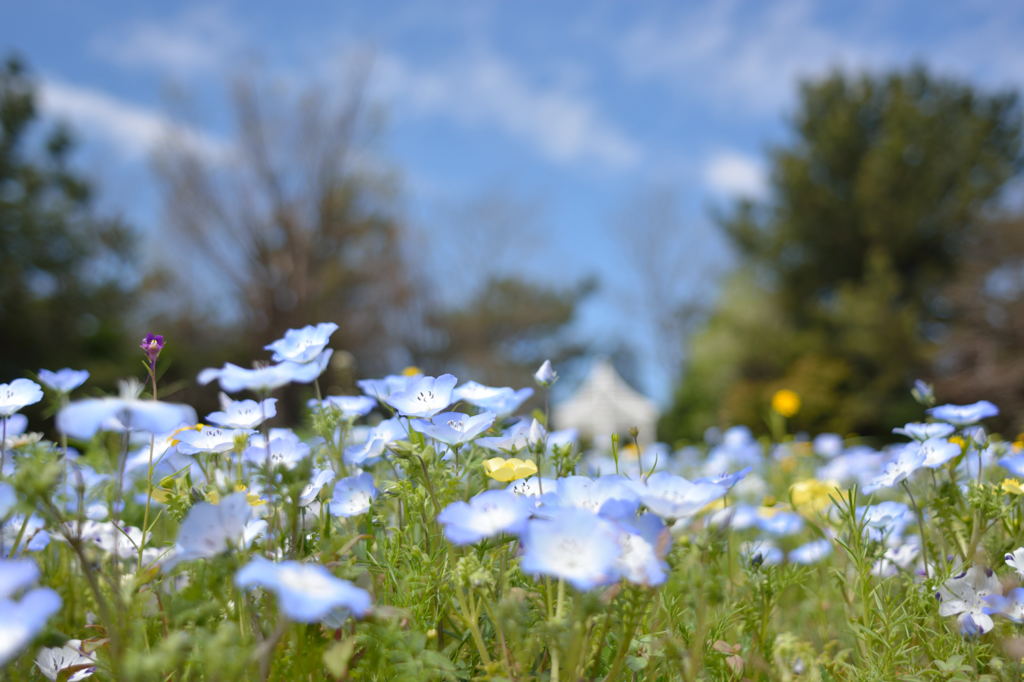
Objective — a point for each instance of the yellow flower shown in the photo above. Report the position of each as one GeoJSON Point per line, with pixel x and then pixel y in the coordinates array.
{"type": "Point", "coordinates": [412, 371]}
{"type": "Point", "coordinates": [253, 499]}
{"type": "Point", "coordinates": [630, 450]}
{"type": "Point", "coordinates": [786, 402]}
{"type": "Point", "coordinates": [213, 496]}
{"type": "Point", "coordinates": [194, 427]}
{"type": "Point", "coordinates": [511, 469]}
{"type": "Point", "coordinates": [1011, 486]}
{"type": "Point", "coordinates": [811, 496]}
{"type": "Point", "coordinates": [957, 440]}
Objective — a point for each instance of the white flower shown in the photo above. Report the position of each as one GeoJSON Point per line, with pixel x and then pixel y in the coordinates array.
{"type": "Point", "coordinates": [18, 394]}
{"type": "Point", "coordinates": [52, 660]}
{"type": "Point", "coordinates": [302, 345]}
{"type": "Point", "coordinates": [965, 594]}
{"type": "Point", "coordinates": [1015, 560]}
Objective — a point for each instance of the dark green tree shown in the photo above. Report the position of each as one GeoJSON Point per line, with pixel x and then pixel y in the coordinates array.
{"type": "Point", "coordinates": [838, 293]}
{"type": "Point", "coordinates": [66, 274]}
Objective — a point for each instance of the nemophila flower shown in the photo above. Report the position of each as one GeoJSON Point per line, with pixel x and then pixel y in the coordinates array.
{"type": "Point", "coordinates": [151, 345]}
{"type": "Point", "coordinates": [1015, 560]}
{"type": "Point", "coordinates": [1014, 464]}
{"type": "Point", "coordinates": [18, 394]}
{"type": "Point", "coordinates": [738, 448]}
{"type": "Point", "coordinates": [643, 544]}
{"type": "Point", "coordinates": [208, 439]}
{"type": "Point", "coordinates": [454, 428]}
{"type": "Point", "coordinates": [349, 406]}
{"type": "Point", "coordinates": [211, 529]}
{"type": "Point", "coordinates": [923, 392]}
{"type": "Point", "coordinates": [885, 520]}
{"type": "Point", "coordinates": [7, 499]}
{"type": "Point", "coordinates": [21, 619]}
{"type": "Point", "coordinates": [964, 415]}
{"type": "Point", "coordinates": [286, 450]}
{"type": "Point", "coordinates": [233, 378]}
{"type": "Point", "coordinates": [828, 445]}
{"type": "Point", "coordinates": [372, 448]}
{"type": "Point", "coordinates": [545, 375]}
{"type": "Point", "coordinates": [120, 541]}
{"type": "Point", "coordinates": [83, 418]}
{"type": "Point", "coordinates": [673, 497]}
{"type": "Point", "coordinates": [532, 487]}
{"type": "Point", "coordinates": [319, 479]}
{"type": "Point", "coordinates": [859, 464]}
{"type": "Point", "coordinates": [812, 552]}
{"type": "Point", "coordinates": [302, 345]}
{"type": "Point", "coordinates": [424, 396]}
{"type": "Point", "coordinates": [63, 380]}
{"type": "Point", "coordinates": [1011, 605]}
{"type": "Point", "coordinates": [964, 595]}
{"type": "Point", "coordinates": [897, 558]}
{"type": "Point", "coordinates": [779, 522]}
{"type": "Point", "coordinates": [501, 401]}
{"type": "Point", "coordinates": [353, 495]}
{"type": "Point", "coordinates": [573, 545]}
{"type": "Point", "coordinates": [907, 461]}
{"type": "Point", "coordinates": [243, 414]}
{"type": "Point", "coordinates": [925, 430]}
{"type": "Point", "coordinates": [14, 425]}
{"type": "Point", "coordinates": [727, 480]}
{"type": "Point", "coordinates": [30, 532]}
{"type": "Point", "coordinates": [485, 515]}
{"type": "Point", "coordinates": [514, 438]}
{"type": "Point", "coordinates": [736, 516]}
{"type": "Point", "coordinates": [786, 403]}
{"type": "Point", "coordinates": [937, 451]}
{"type": "Point", "coordinates": [511, 469]}
{"type": "Point", "coordinates": [392, 384]}
{"type": "Point", "coordinates": [610, 496]}
{"type": "Point", "coordinates": [52, 661]}
{"type": "Point", "coordinates": [305, 593]}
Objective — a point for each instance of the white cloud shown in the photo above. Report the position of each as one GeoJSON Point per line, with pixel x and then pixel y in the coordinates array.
{"type": "Point", "coordinates": [132, 130]}
{"type": "Point", "coordinates": [731, 174]}
{"type": "Point", "coordinates": [201, 40]}
{"type": "Point", "coordinates": [561, 124]}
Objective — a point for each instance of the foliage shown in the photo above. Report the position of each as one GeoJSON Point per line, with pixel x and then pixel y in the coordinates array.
{"type": "Point", "coordinates": [872, 201]}
{"type": "Point", "coordinates": [68, 273]}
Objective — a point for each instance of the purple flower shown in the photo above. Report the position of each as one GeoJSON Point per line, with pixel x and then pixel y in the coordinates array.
{"type": "Point", "coordinates": [151, 345]}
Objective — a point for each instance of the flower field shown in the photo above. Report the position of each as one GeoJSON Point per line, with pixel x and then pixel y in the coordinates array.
{"type": "Point", "coordinates": [432, 528]}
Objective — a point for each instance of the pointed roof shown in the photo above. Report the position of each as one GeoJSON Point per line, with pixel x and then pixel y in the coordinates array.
{"type": "Point", "coordinates": [606, 404]}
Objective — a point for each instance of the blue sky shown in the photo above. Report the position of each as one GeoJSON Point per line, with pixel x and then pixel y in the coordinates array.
{"type": "Point", "coordinates": [566, 114]}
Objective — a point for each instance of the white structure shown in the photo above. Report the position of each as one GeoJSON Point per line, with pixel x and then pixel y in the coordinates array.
{"type": "Point", "coordinates": [605, 404]}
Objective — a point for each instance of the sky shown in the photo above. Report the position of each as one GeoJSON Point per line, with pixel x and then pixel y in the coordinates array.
{"type": "Point", "coordinates": [568, 115]}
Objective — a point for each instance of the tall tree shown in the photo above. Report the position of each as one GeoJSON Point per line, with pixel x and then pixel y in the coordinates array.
{"type": "Point", "coordinates": [67, 273]}
{"type": "Point", "coordinates": [871, 204]}
{"type": "Point", "coordinates": [292, 225]}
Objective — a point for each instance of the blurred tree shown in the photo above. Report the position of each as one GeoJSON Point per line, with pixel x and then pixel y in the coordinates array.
{"type": "Point", "coordinates": [67, 274]}
{"type": "Point", "coordinates": [293, 225]}
{"type": "Point", "coordinates": [838, 296]}
{"type": "Point", "coordinates": [503, 333]}
{"type": "Point", "coordinates": [980, 357]}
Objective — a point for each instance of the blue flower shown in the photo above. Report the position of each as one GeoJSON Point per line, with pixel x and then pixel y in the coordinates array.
{"type": "Point", "coordinates": [7, 499]}
{"type": "Point", "coordinates": [907, 461]}
{"type": "Point", "coordinates": [211, 529]}
{"type": "Point", "coordinates": [674, 497]}
{"type": "Point", "coordinates": [573, 545]}
{"type": "Point", "coordinates": [812, 552]}
{"type": "Point", "coordinates": [63, 380]}
{"type": "Point", "coordinates": [610, 496]}
{"type": "Point", "coordinates": [545, 376]}
{"type": "Point", "coordinates": [306, 593]}
{"type": "Point", "coordinates": [51, 661]}
{"type": "Point", "coordinates": [353, 495]}
{"type": "Point", "coordinates": [643, 544]}
{"type": "Point", "coordinates": [885, 520]}
{"type": "Point", "coordinates": [22, 618]}
{"type": "Point", "coordinates": [780, 523]}
{"type": "Point", "coordinates": [382, 389]}
{"type": "Point", "coordinates": [925, 430]}
{"type": "Point", "coordinates": [83, 418]}
{"type": "Point", "coordinates": [424, 396]}
{"type": "Point", "coordinates": [372, 448]}
{"type": "Point", "coordinates": [302, 345]}
{"type": "Point", "coordinates": [828, 445]}
{"type": "Point", "coordinates": [243, 414]}
{"type": "Point", "coordinates": [728, 480]}
{"type": "Point", "coordinates": [502, 401]}
{"type": "Point", "coordinates": [286, 450]}
{"type": "Point", "coordinates": [18, 394]}
{"type": "Point", "coordinates": [207, 439]}
{"type": "Point", "coordinates": [486, 514]}
{"type": "Point", "coordinates": [454, 428]}
{"type": "Point", "coordinates": [964, 415]}
{"type": "Point", "coordinates": [1011, 606]}
{"type": "Point", "coordinates": [514, 438]}
{"type": "Point", "coordinates": [317, 481]}
{"type": "Point", "coordinates": [965, 595]}
{"type": "Point", "coordinates": [350, 406]}
{"type": "Point", "coordinates": [233, 378]}
{"type": "Point", "coordinates": [762, 553]}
